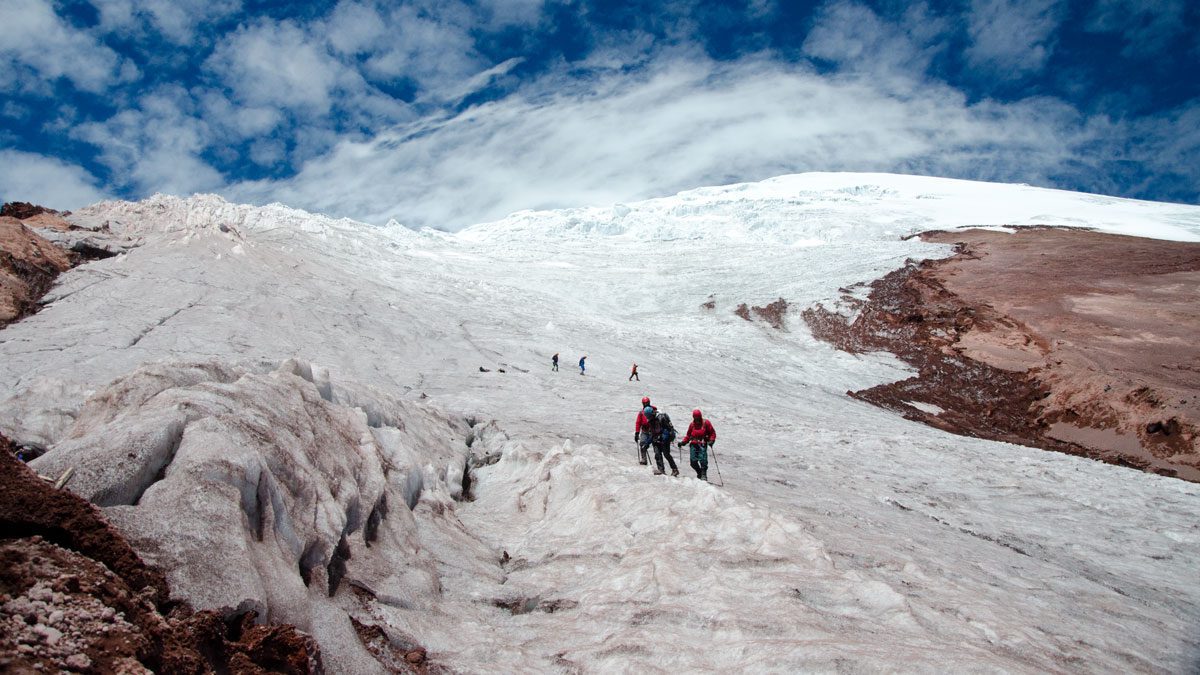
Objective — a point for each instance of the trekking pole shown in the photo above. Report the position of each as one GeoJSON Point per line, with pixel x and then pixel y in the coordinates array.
{"type": "Point", "coordinates": [715, 466]}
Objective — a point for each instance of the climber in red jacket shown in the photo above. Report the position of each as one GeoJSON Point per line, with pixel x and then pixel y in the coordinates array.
{"type": "Point", "coordinates": [641, 432]}
{"type": "Point", "coordinates": [701, 436]}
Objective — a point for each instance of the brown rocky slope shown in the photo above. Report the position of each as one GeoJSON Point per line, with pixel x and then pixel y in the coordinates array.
{"type": "Point", "coordinates": [28, 266]}
{"type": "Point", "coordinates": [1063, 339]}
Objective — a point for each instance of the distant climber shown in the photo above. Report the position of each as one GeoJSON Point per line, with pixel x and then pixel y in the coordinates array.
{"type": "Point", "coordinates": [662, 432]}
{"type": "Point", "coordinates": [641, 431]}
{"type": "Point", "coordinates": [700, 436]}
{"type": "Point", "coordinates": [633, 374]}
{"type": "Point", "coordinates": [582, 366]}
{"type": "Point", "coordinates": [554, 362]}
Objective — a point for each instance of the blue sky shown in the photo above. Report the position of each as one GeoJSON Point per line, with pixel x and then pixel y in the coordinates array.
{"type": "Point", "coordinates": [453, 112]}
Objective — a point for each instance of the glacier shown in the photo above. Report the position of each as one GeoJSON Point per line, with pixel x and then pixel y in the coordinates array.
{"type": "Point", "coordinates": [287, 412]}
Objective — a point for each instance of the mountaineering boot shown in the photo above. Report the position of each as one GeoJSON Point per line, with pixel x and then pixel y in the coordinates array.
{"type": "Point", "coordinates": [658, 472]}
{"type": "Point", "coordinates": [704, 476]}
{"type": "Point", "coordinates": [642, 462]}
{"type": "Point", "coordinates": [674, 472]}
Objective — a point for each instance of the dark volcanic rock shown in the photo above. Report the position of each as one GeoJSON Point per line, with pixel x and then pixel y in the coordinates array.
{"type": "Point", "coordinates": [23, 210]}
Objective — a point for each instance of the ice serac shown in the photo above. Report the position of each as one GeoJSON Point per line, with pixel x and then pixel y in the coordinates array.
{"type": "Point", "coordinates": [78, 598]}
{"type": "Point", "coordinates": [253, 491]}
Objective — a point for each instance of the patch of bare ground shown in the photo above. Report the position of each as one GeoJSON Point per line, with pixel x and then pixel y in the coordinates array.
{"type": "Point", "coordinates": [1061, 339]}
{"type": "Point", "coordinates": [28, 266]}
{"type": "Point", "coordinates": [29, 263]}
{"type": "Point", "coordinates": [772, 313]}
{"type": "Point", "coordinates": [397, 656]}
{"type": "Point", "coordinates": [75, 597]}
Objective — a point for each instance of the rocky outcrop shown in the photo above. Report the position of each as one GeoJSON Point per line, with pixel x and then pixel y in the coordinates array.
{"type": "Point", "coordinates": [75, 597]}
{"type": "Point", "coordinates": [1063, 339]}
{"type": "Point", "coordinates": [36, 245]}
{"type": "Point", "coordinates": [28, 266]}
{"type": "Point", "coordinates": [773, 313]}
{"type": "Point", "coordinates": [23, 210]}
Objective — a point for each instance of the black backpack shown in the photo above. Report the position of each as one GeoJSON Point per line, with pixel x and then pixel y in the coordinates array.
{"type": "Point", "coordinates": [666, 430]}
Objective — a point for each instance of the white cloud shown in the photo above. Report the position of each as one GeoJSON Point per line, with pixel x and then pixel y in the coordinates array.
{"type": "Point", "coordinates": [480, 80]}
{"type": "Point", "coordinates": [285, 74]}
{"type": "Point", "coordinates": [240, 122]}
{"type": "Point", "coordinates": [157, 146]}
{"type": "Point", "coordinates": [29, 177]}
{"type": "Point", "coordinates": [36, 46]}
{"type": "Point", "coordinates": [1011, 39]}
{"type": "Point", "coordinates": [433, 51]}
{"type": "Point", "coordinates": [354, 28]}
{"type": "Point", "coordinates": [674, 126]}
{"type": "Point", "coordinates": [853, 36]}
{"type": "Point", "coordinates": [428, 44]}
{"type": "Point", "coordinates": [276, 64]}
{"type": "Point", "coordinates": [177, 20]}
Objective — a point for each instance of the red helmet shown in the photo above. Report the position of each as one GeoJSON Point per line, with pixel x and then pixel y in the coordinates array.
{"type": "Point", "coordinates": [696, 413]}
{"type": "Point", "coordinates": [645, 400]}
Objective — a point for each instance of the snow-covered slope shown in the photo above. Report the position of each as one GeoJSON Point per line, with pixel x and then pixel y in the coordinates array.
{"type": "Point", "coordinates": [813, 208]}
{"type": "Point", "coordinates": [845, 538]}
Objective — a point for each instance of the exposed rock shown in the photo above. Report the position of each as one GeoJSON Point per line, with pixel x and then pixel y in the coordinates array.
{"type": "Point", "coordinates": [23, 210]}
{"type": "Point", "coordinates": [772, 313]}
{"type": "Point", "coordinates": [28, 265]}
{"type": "Point", "coordinates": [1062, 339]}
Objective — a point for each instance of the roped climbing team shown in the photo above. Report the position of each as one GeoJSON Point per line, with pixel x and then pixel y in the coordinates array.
{"type": "Point", "coordinates": [653, 427]}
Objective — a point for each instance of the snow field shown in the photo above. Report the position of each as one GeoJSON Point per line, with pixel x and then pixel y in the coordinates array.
{"type": "Point", "coordinates": [846, 538]}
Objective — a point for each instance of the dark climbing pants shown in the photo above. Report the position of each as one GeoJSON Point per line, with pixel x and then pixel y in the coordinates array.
{"type": "Point", "coordinates": [664, 448]}
{"type": "Point", "coordinates": [699, 457]}
{"type": "Point", "coordinates": [643, 446]}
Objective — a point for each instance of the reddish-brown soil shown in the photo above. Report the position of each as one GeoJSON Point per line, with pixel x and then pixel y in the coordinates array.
{"type": "Point", "coordinates": [28, 266]}
{"type": "Point", "coordinates": [29, 263]}
{"type": "Point", "coordinates": [1062, 339]}
{"type": "Point", "coordinates": [772, 313]}
{"type": "Point", "coordinates": [75, 597]}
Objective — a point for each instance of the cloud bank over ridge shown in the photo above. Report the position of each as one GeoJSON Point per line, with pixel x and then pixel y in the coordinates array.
{"type": "Point", "coordinates": [453, 113]}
